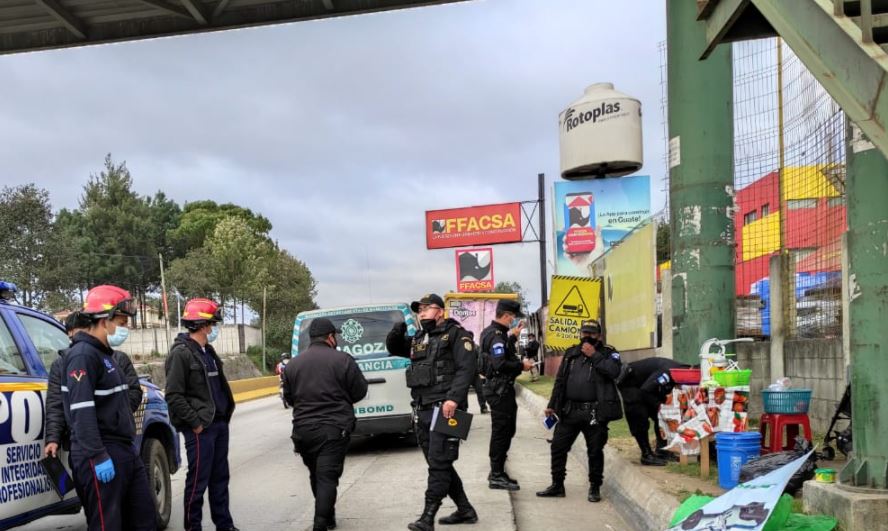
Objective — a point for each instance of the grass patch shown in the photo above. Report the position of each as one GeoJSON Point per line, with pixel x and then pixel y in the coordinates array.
{"type": "Point", "coordinates": [543, 386]}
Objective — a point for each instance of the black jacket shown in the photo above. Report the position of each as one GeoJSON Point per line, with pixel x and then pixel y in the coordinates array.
{"type": "Point", "coordinates": [505, 365]}
{"type": "Point", "coordinates": [94, 396]}
{"type": "Point", "coordinates": [649, 380]}
{"type": "Point", "coordinates": [188, 392]}
{"type": "Point", "coordinates": [454, 351]}
{"type": "Point", "coordinates": [532, 349]}
{"type": "Point", "coordinates": [323, 384]}
{"type": "Point", "coordinates": [56, 427]}
{"type": "Point", "coordinates": [604, 369]}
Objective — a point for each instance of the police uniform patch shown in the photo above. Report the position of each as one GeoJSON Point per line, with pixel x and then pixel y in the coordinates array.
{"type": "Point", "coordinates": [615, 355]}
{"type": "Point", "coordinates": [469, 345]}
{"type": "Point", "coordinates": [108, 365]}
{"type": "Point", "coordinates": [498, 350]}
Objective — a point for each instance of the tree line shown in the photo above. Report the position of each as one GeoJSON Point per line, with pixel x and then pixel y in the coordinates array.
{"type": "Point", "coordinates": [117, 236]}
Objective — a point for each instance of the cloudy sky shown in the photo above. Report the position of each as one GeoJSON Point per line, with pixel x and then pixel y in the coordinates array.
{"type": "Point", "coordinates": [342, 131]}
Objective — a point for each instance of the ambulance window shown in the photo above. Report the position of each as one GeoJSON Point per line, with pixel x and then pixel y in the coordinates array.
{"type": "Point", "coordinates": [10, 358]}
{"type": "Point", "coordinates": [47, 339]}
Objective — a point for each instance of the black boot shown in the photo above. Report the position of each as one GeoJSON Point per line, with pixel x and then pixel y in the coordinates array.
{"type": "Point", "coordinates": [666, 455]}
{"type": "Point", "coordinates": [320, 524]}
{"type": "Point", "coordinates": [426, 521]}
{"type": "Point", "coordinates": [331, 523]}
{"type": "Point", "coordinates": [594, 494]}
{"type": "Point", "coordinates": [462, 515]}
{"type": "Point", "coordinates": [499, 480]}
{"type": "Point", "coordinates": [652, 460]}
{"type": "Point", "coordinates": [555, 490]}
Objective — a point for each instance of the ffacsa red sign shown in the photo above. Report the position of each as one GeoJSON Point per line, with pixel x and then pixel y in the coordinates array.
{"type": "Point", "coordinates": [474, 270]}
{"type": "Point", "coordinates": [478, 225]}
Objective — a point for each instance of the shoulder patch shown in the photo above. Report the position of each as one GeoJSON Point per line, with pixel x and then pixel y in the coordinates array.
{"type": "Point", "coordinates": [467, 343]}
{"type": "Point", "coordinates": [77, 374]}
{"type": "Point", "coordinates": [498, 350]}
{"type": "Point", "coordinates": [615, 355]}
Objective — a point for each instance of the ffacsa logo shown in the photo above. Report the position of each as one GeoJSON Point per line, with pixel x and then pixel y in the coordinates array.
{"type": "Point", "coordinates": [573, 118]}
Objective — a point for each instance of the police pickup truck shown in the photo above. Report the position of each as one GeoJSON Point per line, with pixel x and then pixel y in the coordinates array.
{"type": "Point", "coordinates": [29, 342]}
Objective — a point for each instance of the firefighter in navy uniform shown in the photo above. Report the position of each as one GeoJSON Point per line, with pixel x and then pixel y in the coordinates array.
{"type": "Point", "coordinates": [498, 344]}
{"type": "Point", "coordinates": [442, 368]}
{"type": "Point", "coordinates": [644, 387]}
{"type": "Point", "coordinates": [201, 404]}
{"type": "Point", "coordinates": [585, 399]}
{"type": "Point", "coordinates": [107, 467]}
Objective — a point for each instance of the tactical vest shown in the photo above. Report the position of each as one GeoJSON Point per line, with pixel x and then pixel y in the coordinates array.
{"type": "Point", "coordinates": [431, 371]}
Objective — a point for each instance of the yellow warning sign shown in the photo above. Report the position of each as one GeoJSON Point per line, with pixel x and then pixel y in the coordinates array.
{"type": "Point", "coordinates": [572, 301]}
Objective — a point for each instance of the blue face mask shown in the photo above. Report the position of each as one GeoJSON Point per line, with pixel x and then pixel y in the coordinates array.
{"type": "Point", "coordinates": [213, 335]}
{"type": "Point", "coordinates": [118, 337]}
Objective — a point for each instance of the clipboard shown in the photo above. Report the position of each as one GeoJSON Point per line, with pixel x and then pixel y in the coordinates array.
{"type": "Point", "coordinates": [456, 426]}
{"type": "Point", "coordinates": [61, 481]}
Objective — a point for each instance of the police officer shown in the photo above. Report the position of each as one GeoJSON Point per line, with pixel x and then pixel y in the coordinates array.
{"type": "Point", "coordinates": [585, 399]}
{"type": "Point", "coordinates": [498, 343]}
{"type": "Point", "coordinates": [443, 366]}
{"type": "Point", "coordinates": [322, 385]}
{"type": "Point", "coordinates": [201, 404]}
{"type": "Point", "coordinates": [107, 467]}
{"type": "Point", "coordinates": [644, 387]}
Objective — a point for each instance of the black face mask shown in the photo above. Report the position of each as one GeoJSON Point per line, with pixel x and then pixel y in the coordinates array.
{"type": "Point", "coordinates": [428, 324]}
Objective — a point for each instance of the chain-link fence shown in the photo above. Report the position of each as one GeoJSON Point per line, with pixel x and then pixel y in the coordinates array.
{"type": "Point", "coordinates": [789, 174]}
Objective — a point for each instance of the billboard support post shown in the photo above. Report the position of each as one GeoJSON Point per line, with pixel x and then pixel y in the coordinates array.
{"type": "Point", "coordinates": [541, 190]}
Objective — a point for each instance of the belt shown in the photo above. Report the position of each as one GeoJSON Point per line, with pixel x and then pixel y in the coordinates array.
{"type": "Point", "coordinates": [582, 405]}
{"type": "Point", "coordinates": [432, 405]}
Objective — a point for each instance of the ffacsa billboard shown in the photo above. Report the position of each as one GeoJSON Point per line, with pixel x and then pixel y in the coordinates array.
{"type": "Point", "coordinates": [478, 225]}
{"type": "Point", "coordinates": [474, 270]}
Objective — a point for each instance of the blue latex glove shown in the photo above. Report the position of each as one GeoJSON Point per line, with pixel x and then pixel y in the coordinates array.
{"type": "Point", "coordinates": [105, 471]}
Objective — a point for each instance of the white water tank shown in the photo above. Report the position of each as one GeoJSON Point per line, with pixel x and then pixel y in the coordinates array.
{"type": "Point", "coordinates": [600, 134]}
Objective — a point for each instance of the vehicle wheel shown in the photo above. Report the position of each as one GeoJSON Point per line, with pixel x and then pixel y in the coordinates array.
{"type": "Point", "coordinates": [828, 453]}
{"type": "Point", "coordinates": [158, 468]}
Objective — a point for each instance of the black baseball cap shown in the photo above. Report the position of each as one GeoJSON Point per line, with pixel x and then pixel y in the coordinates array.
{"type": "Point", "coordinates": [431, 298]}
{"type": "Point", "coordinates": [508, 305]}
{"type": "Point", "coordinates": [321, 327]}
{"type": "Point", "coordinates": [591, 327]}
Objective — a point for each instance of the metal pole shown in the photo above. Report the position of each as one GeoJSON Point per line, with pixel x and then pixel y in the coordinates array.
{"type": "Point", "coordinates": [701, 134]}
{"type": "Point", "coordinates": [166, 308]}
{"type": "Point", "coordinates": [264, 298]}
{"type": "Point", "coordinates": [541, 191]}
{"type": "Point", "coordinates": [787, 273]}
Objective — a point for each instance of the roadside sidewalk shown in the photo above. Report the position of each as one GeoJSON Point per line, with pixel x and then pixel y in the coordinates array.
{"type": "Point", "coordinates": [637, 497]}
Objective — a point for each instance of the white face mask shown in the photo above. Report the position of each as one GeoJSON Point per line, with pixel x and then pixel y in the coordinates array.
{"type": "Point", "coordinates": [121, 333]}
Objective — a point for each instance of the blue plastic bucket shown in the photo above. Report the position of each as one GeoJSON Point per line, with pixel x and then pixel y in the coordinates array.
{"type": "Point", "coordinates": [734, 450]}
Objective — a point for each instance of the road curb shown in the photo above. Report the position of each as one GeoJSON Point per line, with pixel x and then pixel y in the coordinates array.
{"type": "Point", "coordinates": [246, 396]}
{"type": "Point", "coordinates": [634, 495]}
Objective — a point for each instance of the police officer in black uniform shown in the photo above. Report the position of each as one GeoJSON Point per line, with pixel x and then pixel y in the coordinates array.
{"type": "Point", "coordinates": [498, 343]}
{"type": "Point", "coordinates": [644, 387]}
{"type": "Point", "coordinates": [322, 385]}
{"type": "Point", "coordinates": [107, 467]}
{"type": "Point", "coordinates": [442, 368]}
{"type": "Point", "coordinates": [585, 399]}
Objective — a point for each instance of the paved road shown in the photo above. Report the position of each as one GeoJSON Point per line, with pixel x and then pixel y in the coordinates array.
{"type": "Point", "coordinates": [383, 483]}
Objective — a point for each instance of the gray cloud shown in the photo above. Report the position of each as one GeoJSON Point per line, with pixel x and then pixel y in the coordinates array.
{"type": "Point", "coordinates": [343, 131]}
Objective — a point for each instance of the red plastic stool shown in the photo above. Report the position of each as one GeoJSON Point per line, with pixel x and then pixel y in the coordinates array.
{"type": "Point", "coordinates": [773, 427]}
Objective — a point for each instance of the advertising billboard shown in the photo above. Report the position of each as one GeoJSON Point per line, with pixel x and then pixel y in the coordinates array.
{"type": "Point", "coordinates": [474, 270]}
{"type": "Point", "coordinates": [572, 301]}
{"type": "Point", "coordinates": [592, 215]}
{"type": "Point", "coordinates": [477, 225]}
{"type": "Point", "coordinates": [630, 291]}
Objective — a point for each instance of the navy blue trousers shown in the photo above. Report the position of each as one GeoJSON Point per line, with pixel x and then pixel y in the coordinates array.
{"type": "Point", "coordinates": [207, 469]}
{"type": "Point", "coordinates": [124, 503]}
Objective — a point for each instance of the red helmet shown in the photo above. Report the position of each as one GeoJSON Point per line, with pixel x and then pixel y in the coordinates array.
{"type": "Point", "coordinates": [197, 310]}
{"type": "Point", "coordinates": [107, 301]}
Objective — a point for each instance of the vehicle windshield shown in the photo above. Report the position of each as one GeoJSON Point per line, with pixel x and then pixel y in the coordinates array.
{"type": "Point", "coordinates": [362, 333]}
